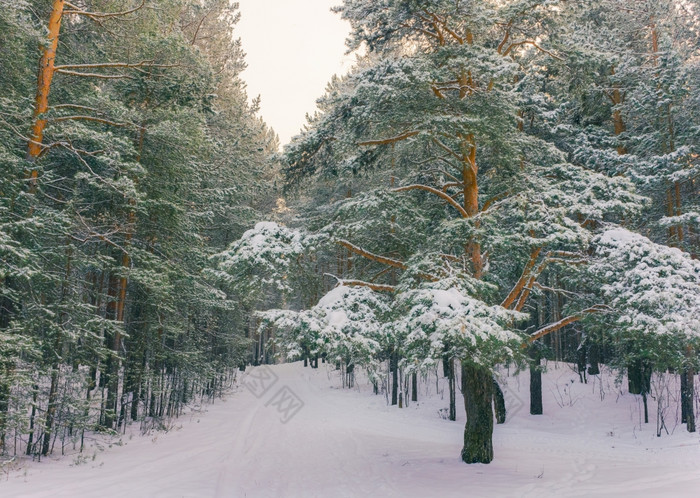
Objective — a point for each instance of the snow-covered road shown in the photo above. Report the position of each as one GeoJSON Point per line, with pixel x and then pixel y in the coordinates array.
{"type": "Point", "coordinates": [348, 443]}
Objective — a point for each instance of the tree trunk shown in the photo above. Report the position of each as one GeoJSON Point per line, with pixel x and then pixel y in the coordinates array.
{"type": "Point", "coordinates": [639, 377]}
{"type": "Point", "coordinates": [30, 441]}
{"type": "Point", "coordinates": [43, 88]}
{"type": "Point", "coordinates": [414, 387]}
{"type": "Point", "coordinates": [4, 402]}
{"type": "Point", "coordinates": [593, 359]}
{"type": "Point", "coordinates": [684, 404]}
{"type": "Point", "coordinates": [477, 384]}
{"type": "Point", "coordinates": [536, 384]}
{"type": "Point", "coordinates": [50, 412]}
{"type": "Point", "coordinates": [499, 403]}
{"type": "Point", "coordinates": [617, 99]}
{"type": "Point", "coordinates": [394, 366]}
{"type": "Point", "coordinates": [471, 198]}
{"type": "Point", "coordinates": [687, 396]}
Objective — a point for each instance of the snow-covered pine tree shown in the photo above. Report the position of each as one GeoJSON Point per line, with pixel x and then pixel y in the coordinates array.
{"type": "Point", "coordinates": [107, 229]}
{"type": "Point", "coordinates": [440, 97]}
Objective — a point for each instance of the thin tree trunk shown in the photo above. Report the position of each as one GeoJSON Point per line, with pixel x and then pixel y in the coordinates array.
{"type": "Point", "coordinates": [414, 387]}
{"type": "Point", "coordinates": [535, 384]}
{"type": "Point", "coordinates": [453, 389]}
{"type": "Point", "coordinates": [593, 359]}
{"type": "Point", "coordinates": [639, 377]}
{"type": "Point", "coordinates": [30, 441]}
{"type": "Point", "coordinates": [684, 404]}
{"type": "Point", "coordinates": [50, 412]}
{"type": "Point", "coordinates": [687, 398]}
{"type": "Point", "coordinates": [499, 403]}
{"type": "Point", "coordinates": [394, 364]}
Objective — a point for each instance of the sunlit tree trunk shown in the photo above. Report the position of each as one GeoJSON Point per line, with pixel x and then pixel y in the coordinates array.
{"type": "Point", "coordinates": [43, 89]}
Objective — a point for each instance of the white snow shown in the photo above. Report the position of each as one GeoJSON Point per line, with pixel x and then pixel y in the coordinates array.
{"type": "Point", "coordinates": [655, 288]}
{"type": "Point", "coordinates": [348, 443]}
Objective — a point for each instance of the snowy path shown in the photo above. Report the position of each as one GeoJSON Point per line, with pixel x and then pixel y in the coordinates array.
{"type": "Point", "coordinates": [349, 443]}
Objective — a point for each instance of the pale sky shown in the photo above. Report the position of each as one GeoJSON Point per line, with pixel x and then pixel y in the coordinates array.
{"type": "Point", "coordinates": [293, 48]}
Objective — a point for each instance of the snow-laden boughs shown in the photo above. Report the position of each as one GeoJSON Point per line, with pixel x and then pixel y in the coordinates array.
{"type": "Point", "coordinates": [378, 220]}
{"type": "Point", "coordinates": [654, 289]}
{"type": "Point", "coordinates": [487, 117]}
{"type": "Point", "coordinates": [348, 324]}
{"type": "Point", "coordinates": [265, 257]}
{"type": "Point", "coordinates": [436, 321]}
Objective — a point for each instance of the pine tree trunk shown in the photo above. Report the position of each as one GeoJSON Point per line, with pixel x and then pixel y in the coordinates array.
{"type": "Point", "coordinates": [536, 385]}
{"type": "Point", "coordinates": [684, 404]}
{"type": "Point", "coordinates": [471, 198]}
{"type": "Point", "coordinates": [477, 384]}
{"type": "Point", "coordinates": [593, 359]}
{"type": "Point", "coordinates": [394, 365]}
{"type": "Point", "coordinates": [581, 362]}
{"type": "Point", "coordinates": [687, 396]}
{"type": "Point", "coordinates": [414, 387]}
{"type": "Point", "coordinates": [639, 377]}
{"type": "Point", "coordinates": [50, 412]}
{"type": "Point", "coordinates": [46, 72]}
{"type": "Point", "coordinates": [499, 403]}
{"type": "Point", "coordinates": [453, 388]}
{"type": "Point", "coordinates": [4, 404]}
{"type": "Point", "coordinates": [30, 440]}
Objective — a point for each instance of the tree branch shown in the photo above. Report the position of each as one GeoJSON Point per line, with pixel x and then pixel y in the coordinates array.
{"type": "Point", "coordinates": [520, 284]}
{"type": "Point", "coordinates": [88, 118]}
{"type": "Point", "coordinates": [148, 63]}
{"type": "Point", "coordinates": [505, 37]}
{"type": "Point", "coordinates": [421, 30]}
{"type": "Point", "coordinates": [553, 327]}
{"type": "Point", "coordinates": [374, 287]}
{"type": "Point", "coordinates": [437, 192]}
{"type": "Point", "coordinates": [371, 256]}
{"type": "Point", "coordinates": [493, 199]}
{"type": "Point", "coordinates": [534, 44]}
{"type": "Point", "coordinates": [95, 75]}
{"type": "Point", "coordinates": [447, 149]}
{"type": "Point", "coordinates": [389, 141]}
{"type": "Point", "coordinates": [450, 185]}
{"type": "Point", "coordinates": [100, 15]}
{"type": "Point", "coordinates": [383, 259]}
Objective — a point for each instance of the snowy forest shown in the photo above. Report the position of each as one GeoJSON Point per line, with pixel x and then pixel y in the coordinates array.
{"type": "Point", "coordinates": [497, 190]}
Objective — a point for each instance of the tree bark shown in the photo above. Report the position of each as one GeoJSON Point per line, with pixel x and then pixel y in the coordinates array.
{"type": "Point", "coordinates": [30, 441]}
{"type": "Point", "coordinates": [593, 359]}
{"type": "Point", "coordinates": [639, 377]}
{"type": "Point", "coordinates": [394, 366]}
{"type": "Point", "coordinates": [448, 369]}
{"type": "Point", "coordinates": [499, 403]}
{"type": "Point", "coordinates": [478, 432]}
{"type": "Point", "coordinates": [687, 395]}
{"type": "Point", "coordinates": [46, 72]}
{"type": "Point", "coordinates": [535, 385]}
{"type": "Point", "coordinates": [471, 198]}
{"type": "Point", "coordinates": [414, 387]}
{"type": "Point", "coordinates": [50, 412]}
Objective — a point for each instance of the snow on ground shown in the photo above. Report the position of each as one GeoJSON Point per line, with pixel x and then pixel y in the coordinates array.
{"type": "Point", "coordinates": [349, 443]}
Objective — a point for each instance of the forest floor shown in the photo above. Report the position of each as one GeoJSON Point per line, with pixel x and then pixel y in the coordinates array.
{"type": "Point", "coordinates": [262, 442]}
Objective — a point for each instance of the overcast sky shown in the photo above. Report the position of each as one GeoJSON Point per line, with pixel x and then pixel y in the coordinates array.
{"type": "Point", "coordinates": [293, 48]}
